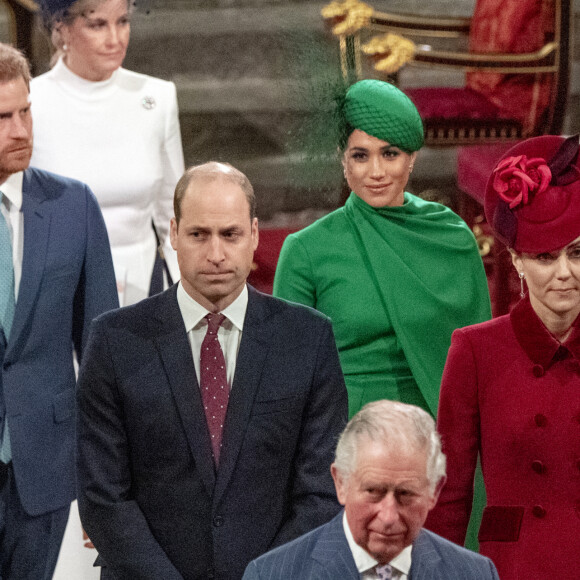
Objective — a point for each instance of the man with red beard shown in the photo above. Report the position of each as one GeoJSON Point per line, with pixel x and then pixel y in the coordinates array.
{"type": "Point", "coordinates": [56, 275]}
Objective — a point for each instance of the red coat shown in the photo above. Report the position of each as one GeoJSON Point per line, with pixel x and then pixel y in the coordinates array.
{"type": "Point", "coordinates": [511, 392]}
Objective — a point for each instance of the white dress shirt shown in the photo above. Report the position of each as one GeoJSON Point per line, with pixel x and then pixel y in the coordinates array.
{"type": "Point", "coordinates": [366, 564]}
{"type": "Point", "coordinates": [229, 333]}
{"type": "Point", "coordinates": [11, 210]}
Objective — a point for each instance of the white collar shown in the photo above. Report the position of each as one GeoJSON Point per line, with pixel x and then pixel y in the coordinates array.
{"type": "Point", "coordinates": [193, 312]}
{"type": "Point", "coordinates": [364, 561]}
{"type": "Point", "coordinates": [80, 87]}
{"type": "Point", "coordinates": [12, 189]}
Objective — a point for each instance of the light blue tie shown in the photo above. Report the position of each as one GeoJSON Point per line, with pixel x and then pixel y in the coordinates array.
{"type": "Point", "coordinates": [7, 306]}
{"type": "Point", "coordinates": [384, 572]}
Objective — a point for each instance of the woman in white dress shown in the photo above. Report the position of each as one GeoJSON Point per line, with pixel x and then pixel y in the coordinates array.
{"type": "Point", "coordinates": [116, 130]}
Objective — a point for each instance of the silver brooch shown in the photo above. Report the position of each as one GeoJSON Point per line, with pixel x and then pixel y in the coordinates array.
{"type": "Point", "coordinates": [148, 103]}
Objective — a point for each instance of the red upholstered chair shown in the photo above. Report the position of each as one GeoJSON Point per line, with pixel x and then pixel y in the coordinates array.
{"type": "Point", "coordinates": [266, 257]}
{"type": "Point", "coordinates": [515, 54]}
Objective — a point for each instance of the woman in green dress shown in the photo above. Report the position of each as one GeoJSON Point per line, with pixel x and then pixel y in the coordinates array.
{"type": "Point", "coordinates": [396, 274]}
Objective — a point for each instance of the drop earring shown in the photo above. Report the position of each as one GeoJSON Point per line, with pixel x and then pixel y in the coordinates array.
{"type": "Point", "coordinates": [522, 291]}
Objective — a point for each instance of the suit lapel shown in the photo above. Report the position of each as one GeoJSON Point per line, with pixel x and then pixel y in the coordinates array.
{"type": "Point", "coordinates": [333, 553]}
{"type": "Point", "coordinates": [424, 559]}
{"type": "Point", "coordinates": [36, 219]}
{"type": "Point", "coordinates": [175, 352]}
{"type": "Point", "coordinates": [249, 366]}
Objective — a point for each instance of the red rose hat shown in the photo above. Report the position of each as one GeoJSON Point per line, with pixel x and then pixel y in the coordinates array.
{"type": "Point", "coordinates": [532, 199]}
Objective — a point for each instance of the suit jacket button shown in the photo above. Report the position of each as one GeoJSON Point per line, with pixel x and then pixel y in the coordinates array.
{"type": "Point", "coordinates": [218, 521]}
{"type": "Point", "coordinates": [538, 371]}
{"type": "Point", "coordinates": [538, 511]}
{"type": "Point", "coordinates": [540, 420]}
{"type": "Point", "coordinates": [538, 466]}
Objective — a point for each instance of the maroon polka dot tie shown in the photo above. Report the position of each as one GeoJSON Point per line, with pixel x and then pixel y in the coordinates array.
{"type": "Point", "coordinates": [214, 383]}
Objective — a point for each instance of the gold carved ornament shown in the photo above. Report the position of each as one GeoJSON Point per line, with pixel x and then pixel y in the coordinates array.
{"type": "Point", "coordinates": [347, 17]}
{"type": "Point", "coordinates": [484, 239]}
{"type": "Point", "coordinates": [389, 52]}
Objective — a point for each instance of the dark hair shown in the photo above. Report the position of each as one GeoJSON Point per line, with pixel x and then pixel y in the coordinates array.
{"type": "Point", "coordinates": [211, 171]}
{"type": "Point", "coordinates": [13, 65]}
{"type": "Point", "coordinates": [345, 132]}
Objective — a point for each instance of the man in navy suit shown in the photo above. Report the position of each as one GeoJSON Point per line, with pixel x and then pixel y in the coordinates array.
{"type": "Point", "coordinates": [388, 472]}
{"type": "Point", "coordinates": [56, 275]}
{"type": "Point", "coordinates": [159, 495]}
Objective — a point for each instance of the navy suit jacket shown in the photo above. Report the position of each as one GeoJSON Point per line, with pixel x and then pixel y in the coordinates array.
{"type": "Point", "coordinates": [149, 495]}
{"type": "Point", "coordinates": [67, 280]}
{"type": "Point", "coordinates": [324, 553]}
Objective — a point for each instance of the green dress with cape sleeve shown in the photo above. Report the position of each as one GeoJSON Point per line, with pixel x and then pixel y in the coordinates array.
{"type": "Point", "coordinates": [395, 281]}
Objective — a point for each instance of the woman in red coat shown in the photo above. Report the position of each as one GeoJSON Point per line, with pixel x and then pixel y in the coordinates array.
{"type": "Point", "coordinates": [511, 386]}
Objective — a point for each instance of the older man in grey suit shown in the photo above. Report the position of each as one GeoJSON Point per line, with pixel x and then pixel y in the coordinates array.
{"type": "Point", "coordinates": [388, 472]}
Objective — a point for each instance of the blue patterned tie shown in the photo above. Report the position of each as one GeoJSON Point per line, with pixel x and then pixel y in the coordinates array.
{"type": "Point", "coordinates": [384, 572]}
{"type": "Point", "coordinates": [7, 305]}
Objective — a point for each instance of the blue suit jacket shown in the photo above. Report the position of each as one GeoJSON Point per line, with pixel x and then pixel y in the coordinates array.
{"type": "Point", "coordinates": [324, 553]}
{"type": "Point", "coordinates": [149, 495]}
{"type": "Point", "coordinates": [67, 280]}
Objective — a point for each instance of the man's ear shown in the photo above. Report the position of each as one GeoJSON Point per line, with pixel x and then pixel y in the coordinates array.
{"type": "Point", "coordinates": [173, 233]}
{"type": "Point", "coordinates": [437, 491]}
{"type": "Point", "coordinates": [339, 484]}
{"type": "Point", "coordinates": [255, 233]}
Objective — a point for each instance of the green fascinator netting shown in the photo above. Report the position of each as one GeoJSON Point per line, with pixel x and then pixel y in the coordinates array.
{"type": "Point", "coordinates": [380, 109]}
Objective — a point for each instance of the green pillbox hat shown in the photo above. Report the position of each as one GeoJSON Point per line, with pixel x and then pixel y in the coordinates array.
{"type": "Point", "coordinates": [383, 111]}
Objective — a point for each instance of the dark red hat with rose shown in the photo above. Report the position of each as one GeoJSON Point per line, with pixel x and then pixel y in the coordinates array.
{"type": "Point", "coordinates": [532, 199]}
